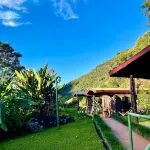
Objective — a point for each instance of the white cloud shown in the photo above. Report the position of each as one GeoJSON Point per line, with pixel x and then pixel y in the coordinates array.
{"type": "Point", "coordinates": [11, 23]}
{"type": "Point", "coordinates": [9, 15]}
{"type": "Point", "coordinates": [8, 18]}
{"type": "Point", "coordinates": [11, 10]}
{"type": "Point", "coordinates": [13, 4]}
{"type": "Point", "coordinates": [63, 8]}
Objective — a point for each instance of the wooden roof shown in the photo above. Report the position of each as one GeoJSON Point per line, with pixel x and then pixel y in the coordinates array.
{"type": "Point", "coordinates": [138, 66]}
{"type": "Point", "coordinates": [97, 91]}
{"type": "Point", "coordinates": [80, 94]}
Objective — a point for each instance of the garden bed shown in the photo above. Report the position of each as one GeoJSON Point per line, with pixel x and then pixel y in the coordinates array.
{"type": "Point", "coordinates": [35, 124]}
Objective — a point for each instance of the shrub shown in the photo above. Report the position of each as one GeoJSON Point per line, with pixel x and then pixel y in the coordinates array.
{"type": "Point", "coordinates": [34, 125]}
{"type": "Point", "coordinates": [14, 111]}
{"type": "Point", "coordinates": [40, 123]}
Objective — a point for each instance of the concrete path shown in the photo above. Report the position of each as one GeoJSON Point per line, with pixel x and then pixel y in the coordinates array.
{"type": "Point", "coordinates": [121, 131]}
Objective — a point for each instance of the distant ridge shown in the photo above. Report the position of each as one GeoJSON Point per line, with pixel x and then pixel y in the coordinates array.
{"type": "Point", "coordinates": [99, 78]}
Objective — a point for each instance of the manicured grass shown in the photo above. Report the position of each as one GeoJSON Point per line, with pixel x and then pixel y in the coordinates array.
{"type": "Point", "coordinates": [110, 139]}
{"type": "Point", "coordinates": [72, 111]}
{"type": "Point", "coordinates": [140, 129]}
{"type": "Point", "coordinates": [144, 122]}
{"type": "Point", "coordinates": [79, 135]}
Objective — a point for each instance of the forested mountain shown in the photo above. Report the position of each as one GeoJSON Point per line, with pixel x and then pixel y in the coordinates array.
{"type": "Point", "coordinates": [99, 76]}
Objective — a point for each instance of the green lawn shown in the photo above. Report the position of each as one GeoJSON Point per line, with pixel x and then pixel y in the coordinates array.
{"type": "Point", "coordinates": [79, 135]}
{"type": "Point", "coordinates": [144, 122]}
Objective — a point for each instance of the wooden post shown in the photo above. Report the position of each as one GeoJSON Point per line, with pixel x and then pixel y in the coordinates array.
{"type": "Point", "coordinates": [86, 104]}
{"type": "Point", "coordinates": [78, 103]}
{"type": "Point", "coordinates": [90, 104]}
{"type": "Point", "coordinates": [93, 104]}
{"type": "Point", "coordinates": [133, 97]}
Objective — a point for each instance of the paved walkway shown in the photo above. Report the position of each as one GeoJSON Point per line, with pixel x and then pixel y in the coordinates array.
{"type": "Point", "coordinates": [121, 131]}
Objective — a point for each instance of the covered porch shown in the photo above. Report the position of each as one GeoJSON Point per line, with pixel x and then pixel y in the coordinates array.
{"type": "Point", "coordinates": [99, 99]}
{"type": "Point", "coordinates": [79, 95]}
{"type": "Point", "coordinates": [137, 66]}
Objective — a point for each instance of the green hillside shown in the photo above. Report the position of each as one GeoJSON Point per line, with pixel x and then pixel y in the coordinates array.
{"type": "Point", "coordinates": [99, 77]}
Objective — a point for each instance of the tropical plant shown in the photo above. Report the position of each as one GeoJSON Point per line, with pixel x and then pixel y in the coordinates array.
{"type": "Point", "coordinates": [13, 110]}
{"type": "Point", "coordinates": [5, 89]}
{"type": "Point", "coordinates": [39, 86]}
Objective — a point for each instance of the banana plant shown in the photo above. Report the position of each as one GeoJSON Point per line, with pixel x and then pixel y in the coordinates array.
{"type": "Point", "coordinates": [9, 98]}
{"type": "Point", "coordinates": [5, 89]}
{"type": "Point", "coordinates": [39, 86]}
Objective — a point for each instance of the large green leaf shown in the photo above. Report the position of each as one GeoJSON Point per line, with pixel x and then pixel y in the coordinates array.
{"type": "Point", "coordinates": [53, 76]}
{"type": "Point", "coordinates": [2, 117]}
{"type": "Point", "coordinates": [22, 87]}
{"type": "Point", "coordinates": [48, 83]}
{"type": "Point", "coordinates": [2, 113]}
{"type": "Point", "coordinates": [39, 79]}
{"type": "Point", "coordinates": [19, 75]}
{"type": "Point", "coordinates": [5, 93]}
{"type": "Point", "coordinates": [9, 87]}
{"type": "Point", "coordinates": [27, 101]}
{"type": "Point", "coordinates": [24, 79]}
{"type": "Point", "coordinates": [45, 69]}
{"type": "Point", "coordinates": [4, 127]}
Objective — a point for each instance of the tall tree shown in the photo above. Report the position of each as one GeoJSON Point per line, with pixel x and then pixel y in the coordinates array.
{"type": "Point", "coordinates": [146, 6]}
{"type": "Point", "coordinates": [9, 58]}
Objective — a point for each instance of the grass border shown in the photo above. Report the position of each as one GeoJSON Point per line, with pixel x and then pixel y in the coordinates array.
{"type": "Point", "coordinates": [101, 137]}
{"type": "Point", "coordinates": [140, 129]}
{"type": "Point", "coordinates": [109, 138]}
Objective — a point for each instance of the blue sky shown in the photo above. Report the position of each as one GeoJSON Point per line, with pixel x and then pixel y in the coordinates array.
{"type": "Point", "coordinates": [73, 36]}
